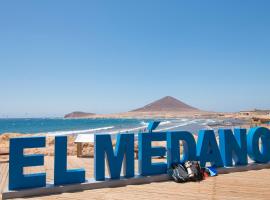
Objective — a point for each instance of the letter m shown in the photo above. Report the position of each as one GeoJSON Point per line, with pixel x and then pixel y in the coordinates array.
{"type": "Point", "coordinates": [123, 153]}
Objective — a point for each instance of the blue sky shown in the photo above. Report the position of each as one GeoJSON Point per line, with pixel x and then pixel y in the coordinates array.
{"type": "Point", "coordinates": [113, 56]}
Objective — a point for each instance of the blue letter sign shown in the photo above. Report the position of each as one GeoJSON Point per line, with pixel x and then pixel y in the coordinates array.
{"type": "Point", "coordinates": [146, 152]}
{"type": "Point", "coordinates": [124, 151]}
{"type": "Point", "coordinates": [233, 146]}
{"type": "Point", "coordinates": [207, 149]}
{"type": "Point", "coordinates": [233, 149]}
{"type": "Point", "coordinates": [17, 161]}
{"type": "Point", "coordinates": [173, 148]}
{"type": "Point", "coordinates": [61, 174]}
{"type": "Point", "coordinates": [263, 155]}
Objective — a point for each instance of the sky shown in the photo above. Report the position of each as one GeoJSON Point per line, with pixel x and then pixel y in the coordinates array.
{"type": "Point", "coordinates": [113, 56]}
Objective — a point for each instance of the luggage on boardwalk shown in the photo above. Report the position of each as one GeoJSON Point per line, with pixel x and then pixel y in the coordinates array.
{"type": "Point", "coordinates": [211, 171]}
{"type": "Point", "coordinates": [178, 173]}
{"type": "Point", "coordinates": [194, 170]}
{"type": "Point", "coordinates": [188, 171]}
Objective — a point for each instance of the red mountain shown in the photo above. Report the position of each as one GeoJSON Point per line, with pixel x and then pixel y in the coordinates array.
{"type": "Point", "coordinates": [166, 104]}
{"type": "Point", "coordinates": [78, 114]}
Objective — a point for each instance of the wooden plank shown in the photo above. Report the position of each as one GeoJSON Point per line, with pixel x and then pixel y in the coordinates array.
{"type": "Point", "coordinates": [79, 149]}
{"type": "Point", "coordinates": [3, 176]}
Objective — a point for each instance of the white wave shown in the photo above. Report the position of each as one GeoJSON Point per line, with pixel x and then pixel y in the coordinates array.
{"type": "Point", "coordinates": [142, 128]}
{"type": "Point", "coordinates": [127, 130]}
{"type": "Point", "coordinates": [144, 123]}
{"type": "Point", "coordinates": [176, 126]}
{"type": "Point", "coordinates": [78, 131]}
{"type": "Point", "coordinates": [161, 123]}
{"type": "Point", "coordinates": [165, 122]}
{"type": "Point", "coordinates": [209, 121]}
{"type": "Point", "coordinates": [96, 129]}
{"type": "Point", "coordinates": [184, 120]}
{"type": "Point", "coordinates": [113, 132]}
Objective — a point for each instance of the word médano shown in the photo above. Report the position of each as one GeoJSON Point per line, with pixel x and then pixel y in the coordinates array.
{"type": "Point", "coordinates": [233, 149]}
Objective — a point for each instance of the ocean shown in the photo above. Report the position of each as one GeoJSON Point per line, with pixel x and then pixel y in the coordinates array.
{"type": "Point", "coordinates": [61, 126]}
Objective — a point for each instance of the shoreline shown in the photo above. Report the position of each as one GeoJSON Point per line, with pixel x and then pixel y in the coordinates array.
{"type": "Point", "coordinates": [76, 128]}
{"type": "Point", "coordinates": [88, 148]}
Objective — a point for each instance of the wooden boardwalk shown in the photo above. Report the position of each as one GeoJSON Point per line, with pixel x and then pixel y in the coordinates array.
{"type": "Point", "coordinates": [240, 185]}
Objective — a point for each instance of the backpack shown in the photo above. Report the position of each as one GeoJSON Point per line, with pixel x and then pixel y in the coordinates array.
{"type": "Point", "coordinates": [194, 170]}
{"type": "Point", "coordinates": [178, 173]}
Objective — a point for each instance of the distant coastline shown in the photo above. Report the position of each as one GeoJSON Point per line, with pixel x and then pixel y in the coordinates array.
{"type": "Point", "coordinates": [166, 107]}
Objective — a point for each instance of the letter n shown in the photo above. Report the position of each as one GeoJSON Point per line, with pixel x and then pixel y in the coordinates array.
{"type": "Point", "coordinates": [207, 149]}
{"type": "Point", "coordinates": [233, 146]}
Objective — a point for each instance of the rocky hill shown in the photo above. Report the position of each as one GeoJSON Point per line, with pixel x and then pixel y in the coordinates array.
{"type": "Point", "coordinates": [78, 114]}
{"type": "Point", "coordinates": [166, 104]}
{"type": "Point", "coordinates": [165, 107]}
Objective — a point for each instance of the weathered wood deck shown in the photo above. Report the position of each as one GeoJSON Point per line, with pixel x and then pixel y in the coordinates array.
{"type": "Point", "coordinates": [240, 185]}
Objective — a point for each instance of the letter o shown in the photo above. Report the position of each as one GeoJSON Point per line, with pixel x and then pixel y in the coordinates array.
{"type": "Point", "coordinates": [253, 146]}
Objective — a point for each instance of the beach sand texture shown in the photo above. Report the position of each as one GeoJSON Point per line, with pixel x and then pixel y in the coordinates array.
{"type": "Point", "coordinates": [240, 185]}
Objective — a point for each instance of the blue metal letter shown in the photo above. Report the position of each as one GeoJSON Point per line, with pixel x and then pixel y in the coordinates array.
{"type": "Point", "coordinates": [146, 152]}
{"type": "Point", "coordinates": [233, 146]}
{"type": "Point", "coordinates": [207, 149]}
{"type": "Point", "coordinates": [61, 174]}
{"type": "Point", "coordinates": [124, 152]}
{"type": "Point", "coordinates": [17, 161]}
{"type": "Point", "coordinates": [189, 145]}
{"type": "Point", "coordinates": [152, 126]}
{"type": "Point", "coordinates": [263, 155]}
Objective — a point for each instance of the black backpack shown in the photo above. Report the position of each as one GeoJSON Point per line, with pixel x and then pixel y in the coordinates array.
{"type": "Point", "coordinates": [178, 173]}
{"type": "Point", "coordinates": [194, 170]}
{"type": "Point", "coordinates": [189, 171]}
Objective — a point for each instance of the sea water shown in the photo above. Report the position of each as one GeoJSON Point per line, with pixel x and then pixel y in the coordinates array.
{"type": "Point", "coordinates": [61, 126]}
